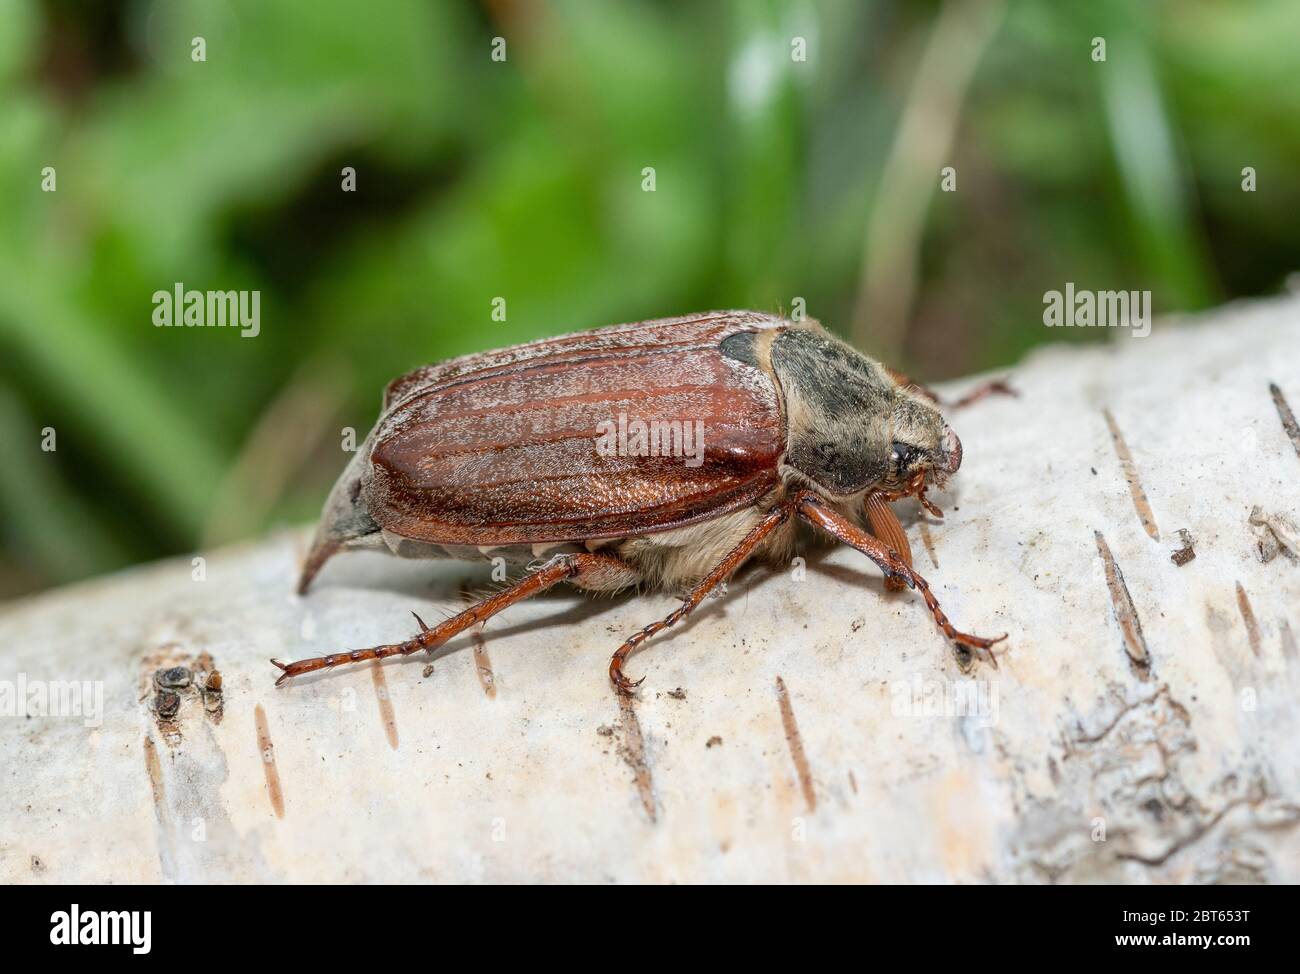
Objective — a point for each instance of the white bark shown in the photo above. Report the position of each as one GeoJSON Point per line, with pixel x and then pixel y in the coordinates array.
{"type": "Point", "coordinates": [1171, 755]}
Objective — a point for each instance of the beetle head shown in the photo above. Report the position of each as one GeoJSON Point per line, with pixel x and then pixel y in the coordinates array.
{"type": "Point", "coordinates": [852, 426]}
{"type": "Point", "coordinates": [923, 449]}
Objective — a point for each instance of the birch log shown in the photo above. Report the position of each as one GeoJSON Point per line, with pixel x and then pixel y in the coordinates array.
{"type": "Point", "coordinates": [1129, 520]}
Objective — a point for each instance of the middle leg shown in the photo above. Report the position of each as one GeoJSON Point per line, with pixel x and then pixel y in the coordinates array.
{"type": "Point", "coordinates": [734, 559]}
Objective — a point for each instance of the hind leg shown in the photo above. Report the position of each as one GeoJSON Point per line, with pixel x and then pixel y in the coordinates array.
{"type": "Point", "coordinates": [594, 571]}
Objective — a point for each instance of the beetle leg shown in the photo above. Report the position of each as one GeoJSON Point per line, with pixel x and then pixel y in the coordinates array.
{"type": "Point", "coordinates": [916, 487]}
{"type": "Point", "coordinates": [819, 514]}
{"type": "Point", "coordinates": [581, 568]}
{"type": "Point", "coordinates": [884, 525]}
{"type": "Point", "coordinates": [734, 559]}
{"type": "Point", "coordinates": [983, 391]}
{"type": "Point", "coordinates": [998, 387]}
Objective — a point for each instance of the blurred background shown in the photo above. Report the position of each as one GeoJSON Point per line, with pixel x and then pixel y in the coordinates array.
{"type": "Point", "coordinates": [776, 179]}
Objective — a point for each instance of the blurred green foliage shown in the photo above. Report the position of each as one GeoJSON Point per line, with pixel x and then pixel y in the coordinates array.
{"type": "Point", "coordinates": [479, 179]}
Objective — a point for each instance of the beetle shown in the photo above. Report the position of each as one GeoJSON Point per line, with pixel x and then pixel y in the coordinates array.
{"type": "Point", "coordinates": [498, 454]}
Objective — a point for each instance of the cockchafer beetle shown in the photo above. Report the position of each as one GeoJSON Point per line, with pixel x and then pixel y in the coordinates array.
{"type": "Point", "coordinates": [498, 454]}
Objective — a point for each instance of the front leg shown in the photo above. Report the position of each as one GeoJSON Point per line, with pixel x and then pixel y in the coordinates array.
{"type": "Point", "coordinates": [884, 525]}
{"type": "Point", "coordinates": [990, 388]}
{"type": "Point", "coordinates": [817, 512]}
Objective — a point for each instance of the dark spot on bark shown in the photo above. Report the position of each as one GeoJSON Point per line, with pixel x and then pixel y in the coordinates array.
{"type": "Point", "coordinates": [167, 703]}
{"type": "Point", "coordinates": [172, 677]}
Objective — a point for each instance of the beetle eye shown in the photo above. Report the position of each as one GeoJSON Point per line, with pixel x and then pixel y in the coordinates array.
{"type": "Point", "coordinates": [902, 455]}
